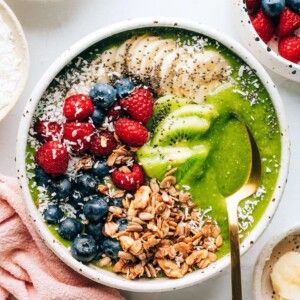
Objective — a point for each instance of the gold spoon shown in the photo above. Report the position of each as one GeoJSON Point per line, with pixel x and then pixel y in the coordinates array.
{"type": "Point", "coordinates": [248, 189]}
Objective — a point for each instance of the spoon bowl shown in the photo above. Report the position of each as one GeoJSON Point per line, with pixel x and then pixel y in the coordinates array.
{"type": "Point", "coordinates": [232, 201]}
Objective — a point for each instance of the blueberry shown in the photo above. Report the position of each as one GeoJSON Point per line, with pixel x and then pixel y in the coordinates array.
{"type": "Point", "coordinates": [76, 200]}
{"type": "Point", "coordinates": [103, 95]}
{"type": "Point", "coordinates": [273, 8]}
{"type": "Point", "coordinates": [84, 248]}
{"type": "Point", "coordinates": [100, 252]}
{"type": "Point", "coordinates": [111, 247]}
{"type": "Point", "coordinates": [41, 177]}
{"type": "Point", "coordinates": [95, 230]}
{"type": "Point", "coordinates": [123, 223]}
{"type": "Point", "coordinates": [86, 184]}
{"type": "Point", "coordinates": [69, 228]}
{"type": "Point", "coordinates": [53, 214]}
{"type": "Point", "coordinates": [293, 5]}
{"type": "Point", "coordinates": [61, 188]}
{"type": "Point", "coordinates": [98, 116]}
{"type": "Point", "coordinates": [116, 202]}
{"type": "Point", "coordinates": [100, 168]}
{"type": "Point", "coordinates": [124, 87]}
{"type": "Point", "coordinates": [95, 209]}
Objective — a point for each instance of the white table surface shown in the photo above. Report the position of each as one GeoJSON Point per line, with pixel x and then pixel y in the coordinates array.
{"type": "Point", "coordinates": [51, 27]}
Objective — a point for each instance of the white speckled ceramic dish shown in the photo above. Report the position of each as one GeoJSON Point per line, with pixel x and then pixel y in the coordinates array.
{"type": "Point", "coordinates": [21, 47]}
{"type": "Point", "coordinates": [109, 278]}
{"type": "Point", "coordinates": [260, 49]}
{"type": "Point", "coordinates": [286, 241]}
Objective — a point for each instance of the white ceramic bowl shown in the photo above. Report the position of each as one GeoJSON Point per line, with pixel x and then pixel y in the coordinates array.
{"type": "Point", "coordinates": [286, 241]}
{"type": "Point", "coordinates": [259, 48]}
{"type": "Point", "coordinates": [109, 278]}
{"type": "Point", "coordinates": [21, 47]}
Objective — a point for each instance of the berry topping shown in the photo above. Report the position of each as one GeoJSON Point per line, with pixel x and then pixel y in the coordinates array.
{"type": "Point", "coordinates": [263, 26]}
{"type": "Point", "coordinates": [124, 87]}
{"type": "Point", "coordinates": [61, 188]}
{"type": "Point", "coordinates": [111, 247]}
{"type": "Point", "coordinates": [78, 135]}
{"type": "Point", "coordinates": [100, 168]}
{"type": "Point", "coordinates": [41, 177]}
{"type": "Point", "coordinates": [123, 223]}
{"type": "Point", "coordinates": [294, 5]}
{"type": "Point", "coordinates": [95, 230]}
{"type": "Point", "coordinates": [253, 4]}
{"type": "Point", "coordinates": [139, 105]}
{"type": "Point", "coordinates": [69, 228]}
{"type": "Point", "coordinates": [78, 107]}
{"type": "Point", "coordinates": [131, 132]}
{"type": "Point", "coordinates": [103, 95]}
{"type": "Point", "coordinates": [288, 23]}
{"type": "Point", "coordinates": [273, 8]}
{"type": "Point", "coordinates": [84, 248]}
{"type": "Point", "coordinates": [47, 131]}
{"type": "Point", "coordinates": [129, 180]}
{"type": "Point", "coordinates": [116, 202]}
{"type": "Point", "coordinates": [86, 184]}
{"type": "Point", "coordinates": [95, 209]}
{"type": "Point", "coordinates": [53, 158]}
{"type": "Point", "coordinates": [103, 144]}
{"type": "Point", "coordinates": [289, 48]}
{"type": "Point", "coordinates": [98, 116]}
{"type": "Point", "coordinates": [53, 214]}
{"type": "Point", "coordinates": [115, 112]}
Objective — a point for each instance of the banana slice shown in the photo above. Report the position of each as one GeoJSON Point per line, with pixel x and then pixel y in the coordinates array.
{"type": "Point", "coordinates": [102, 67]}
{"type": "Point", "coordinates": [120, 57]}
{"type": "Point", "coordinates": [157, 62]}
{"type": "Point", "coordinates": [149, 55]}
{"type": "Point", "coordinates": [130, 57]}
{"type": "Point", "coordinates": [138, 54]}
{"type": "Point", "coordinates": [286, 277]}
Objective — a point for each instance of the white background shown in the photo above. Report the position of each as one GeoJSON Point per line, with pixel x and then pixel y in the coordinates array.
{"type": "Point", "coordinates": [51, 27]}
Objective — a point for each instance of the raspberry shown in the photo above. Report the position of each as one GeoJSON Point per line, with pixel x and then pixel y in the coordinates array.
{"type": "Point", "coordinates": [131, 132]}
{"type": "Point", "coordinates": [53, 158]}
{"type": "Point", "coordinates": [263, 26]}
{"type": "Point", "coordinates": [128, 180]}
{"type": "Point", "coordinates": [115, 112]}
{"type": "Point", "coordinates": [288, 23]}
{"type": "Point", "coordinates": [78, 135]}
{"type": "Point", "coordinates": [78, 107]}
{"type": "Point", "coordinates": [253, 4]}
{"type": "Point", "coordinates": [139, 105]}
{"type": "Point", "coordinates": [289, 48]}
{"type": "Point", "coordinates": [103, 144]}
{"type": "Point", "coordinates": [47, 131]}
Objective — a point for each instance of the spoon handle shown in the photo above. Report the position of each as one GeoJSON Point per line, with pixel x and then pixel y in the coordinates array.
{"type": "Point", "coordinates": [236, 282]}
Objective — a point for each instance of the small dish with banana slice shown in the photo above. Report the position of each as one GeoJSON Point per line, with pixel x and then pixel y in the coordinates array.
{"type": "Point", "coordinates": [277, 270]}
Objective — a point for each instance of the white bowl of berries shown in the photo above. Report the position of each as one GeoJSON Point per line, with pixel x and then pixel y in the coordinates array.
{"type": "Point", "coordinates": [270, 30]}
{"type": "Point", "coordinates": [125, 137]}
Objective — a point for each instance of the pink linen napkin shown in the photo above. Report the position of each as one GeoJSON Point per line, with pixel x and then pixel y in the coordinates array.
{"type": "Point", "coordinates": [28, 269]}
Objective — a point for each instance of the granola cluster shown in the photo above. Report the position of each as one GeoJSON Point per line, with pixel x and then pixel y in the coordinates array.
{"type": "Point", "coordinates": [165, 232]}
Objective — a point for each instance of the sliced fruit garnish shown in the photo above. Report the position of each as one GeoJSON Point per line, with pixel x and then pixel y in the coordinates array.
{"type": "Point", "coordinates": [157, 161]}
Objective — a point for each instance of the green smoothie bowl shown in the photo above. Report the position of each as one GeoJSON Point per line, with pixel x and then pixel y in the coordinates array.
{"type": "Point", "coordinates": [130, 143]}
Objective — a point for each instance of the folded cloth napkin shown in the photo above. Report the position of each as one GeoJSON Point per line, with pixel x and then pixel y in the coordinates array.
{"type": "Point", "coordinates": [28, 269]}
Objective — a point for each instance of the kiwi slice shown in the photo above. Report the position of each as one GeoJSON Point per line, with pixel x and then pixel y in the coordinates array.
{"type": "Point", "coordinates": [180, 131]}
{"type": "Point", "coordinates": [157, 161]}
{"type": "Point", "coordinates": [163, 107]}
{"type": "Point", "coordinates": [200, 110]}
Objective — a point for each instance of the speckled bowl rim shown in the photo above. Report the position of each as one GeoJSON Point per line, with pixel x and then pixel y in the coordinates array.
{"type": "Point", "coordinates": [259, 48]}
{"type": "Point", "coordinates": [109, 278]}
{"type": "Point", "coordinates": [22, 48]}
{"type": "Point", "coordinates": [265, 255]}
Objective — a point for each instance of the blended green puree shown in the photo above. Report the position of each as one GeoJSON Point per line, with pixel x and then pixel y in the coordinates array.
{"type": "Point", "coordinates": [225, 161]}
